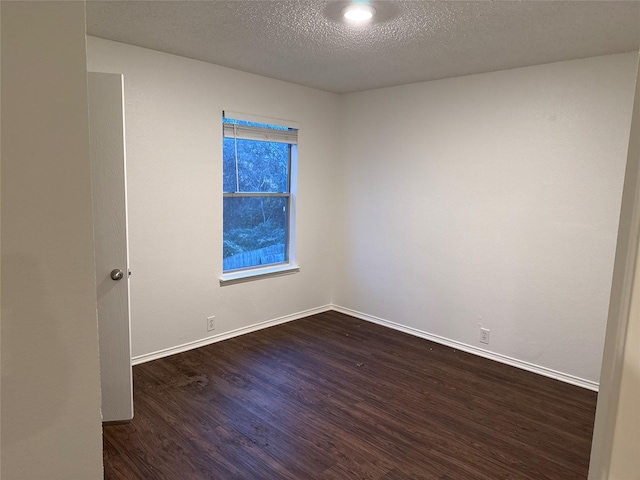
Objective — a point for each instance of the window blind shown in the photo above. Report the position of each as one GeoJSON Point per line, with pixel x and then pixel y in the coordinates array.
{"type": "Point", "coordinates": [245, 132]}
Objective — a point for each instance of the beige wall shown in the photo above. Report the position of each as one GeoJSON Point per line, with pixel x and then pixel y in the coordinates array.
{"type": "Point", "coordinates": [625, 458]}
{"type": "Point", "coordinates": [51, 424]}
{"type": "Point", "coordinates": [616, 446]}
{"type": "Point", "coordinates": [625, 461]}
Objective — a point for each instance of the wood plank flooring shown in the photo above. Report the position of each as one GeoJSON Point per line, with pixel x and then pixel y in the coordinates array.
{"type": "Point", "coordinates": [333, 397]}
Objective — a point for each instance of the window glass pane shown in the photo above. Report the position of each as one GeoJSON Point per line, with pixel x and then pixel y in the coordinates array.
{"type": "Point", "coordinates": [261, 166]}
{"type": "Point", "coordinates": [254, 231]}
{"type": "Point", "coordinates": [228, 165]}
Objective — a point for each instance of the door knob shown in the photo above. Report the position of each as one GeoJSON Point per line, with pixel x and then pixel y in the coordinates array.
{"type": "Point", "coordinates": [116, 274]}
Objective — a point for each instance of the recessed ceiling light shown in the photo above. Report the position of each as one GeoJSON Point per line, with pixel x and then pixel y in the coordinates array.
{"type": "Point", "coordinates": [358, 13]}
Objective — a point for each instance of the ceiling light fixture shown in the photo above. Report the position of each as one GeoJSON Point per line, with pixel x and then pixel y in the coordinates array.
{"type": "Point", "coordinates": [358, 13]}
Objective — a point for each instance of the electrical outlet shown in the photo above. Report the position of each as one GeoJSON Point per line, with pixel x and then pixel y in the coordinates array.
{"type": "Point", "coordinates": [211, 323]}
{"type": "Point", "coordinates": [484, 335]}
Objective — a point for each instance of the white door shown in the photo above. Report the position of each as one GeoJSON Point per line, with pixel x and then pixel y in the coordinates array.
{"type": "Point", "coordinates": [108, 171]}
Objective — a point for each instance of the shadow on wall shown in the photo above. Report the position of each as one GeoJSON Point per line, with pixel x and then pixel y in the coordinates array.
{"type": "Point", "coordinates": [34, 364]}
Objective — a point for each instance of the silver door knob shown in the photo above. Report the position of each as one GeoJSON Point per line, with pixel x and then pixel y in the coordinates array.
{"type": "Point", "coordinates": [116, 274]}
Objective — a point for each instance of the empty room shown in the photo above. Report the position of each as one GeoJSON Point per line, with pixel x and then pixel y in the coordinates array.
{"type": "Point", "coordinates": [351, 240]}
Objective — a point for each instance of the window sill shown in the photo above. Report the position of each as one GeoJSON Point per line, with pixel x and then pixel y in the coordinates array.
{"type": "Point", "coordinates": [257, 274]}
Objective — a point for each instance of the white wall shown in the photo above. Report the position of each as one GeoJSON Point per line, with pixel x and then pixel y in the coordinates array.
{"type": "Point", "coordinates": [489, 200]}
{"type": "Point", "coordinates": [50, 372]}
{"type": "Point", "coordinates": [174, 153]}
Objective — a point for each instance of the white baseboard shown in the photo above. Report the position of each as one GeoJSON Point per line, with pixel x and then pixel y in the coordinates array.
{"type": "Point", "coordinates": [147, 357]}
{"type": "Point", "coordinates": [514, 362]}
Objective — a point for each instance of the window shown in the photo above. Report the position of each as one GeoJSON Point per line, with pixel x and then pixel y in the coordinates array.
{"type": "Point", "coordinates": [258, 203]}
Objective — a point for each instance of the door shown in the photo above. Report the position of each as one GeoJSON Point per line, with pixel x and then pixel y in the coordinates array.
{"type": "Point", "coordinates": [108, 182]}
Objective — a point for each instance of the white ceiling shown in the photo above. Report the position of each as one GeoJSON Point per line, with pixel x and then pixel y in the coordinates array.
{"type": "Point", "coordinates": [307, 42]}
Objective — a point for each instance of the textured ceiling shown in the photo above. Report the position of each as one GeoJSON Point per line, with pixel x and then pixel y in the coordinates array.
{"type": "Point", "coordinates": [307, 42]}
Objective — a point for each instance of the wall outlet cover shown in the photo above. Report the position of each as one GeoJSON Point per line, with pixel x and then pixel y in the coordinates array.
{"type": "Point", "coordinates": [484, 335]}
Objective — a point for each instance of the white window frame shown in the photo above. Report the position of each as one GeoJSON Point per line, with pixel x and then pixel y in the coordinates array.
{"type": "Point", "coordinates": [289, 267]}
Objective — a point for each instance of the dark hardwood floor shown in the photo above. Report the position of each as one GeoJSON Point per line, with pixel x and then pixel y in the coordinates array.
{"type": "Point", "coordinates": [334, 397]}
